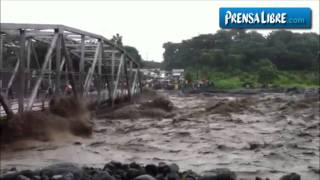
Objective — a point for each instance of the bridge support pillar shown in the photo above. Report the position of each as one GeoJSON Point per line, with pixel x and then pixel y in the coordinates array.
{"type": "Point", "coordinates": [139, 80]}
{"type": "Point", "coordinates": [115, 89]}
{"type": "Point", "coordinates": [58, 63]}
{"type": "Point", "coordinates": [113, 57]}
{"type": "Point", "coordinates": [99, 83]}
{"type": "Point", "coordinates": [69, 66]}
{"type": "Point", "coordinates": [28, 66]}
{"type": "Point", "coordinates": [21, 74]}
{"type": "Point", "coordinates": [127, 80]}
{"type": "Point", "coordinates": [81, 65]}
{"type": "Point", "coordinates": [1, 61]}
{"type": "Point", "coordinates": [43, 68]}
{"type": "Point", "coordinates": [5, 106]}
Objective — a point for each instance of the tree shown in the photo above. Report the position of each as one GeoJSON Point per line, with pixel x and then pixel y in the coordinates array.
{"type": "Point", "coordinates": [117, 39]}
{"type": "Point", "coordinates": [238, 49]}
{"type": "Point", "coordinates": [188, 77]}
{"type": "Point", "coordinates": [133, 52]}
{"type": "Point", "coordinates": [267, 72]}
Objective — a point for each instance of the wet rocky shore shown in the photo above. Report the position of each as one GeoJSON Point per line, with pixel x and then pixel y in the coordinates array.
{"type": "Point", "coordinates": [118, 171]}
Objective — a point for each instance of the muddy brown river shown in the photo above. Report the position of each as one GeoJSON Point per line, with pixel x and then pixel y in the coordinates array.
{"type": "Point", "coordinates": [265, 134]}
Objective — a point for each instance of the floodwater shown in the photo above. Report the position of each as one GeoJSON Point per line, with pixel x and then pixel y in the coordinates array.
{"type": "Point", "coordinates": [265, 134]}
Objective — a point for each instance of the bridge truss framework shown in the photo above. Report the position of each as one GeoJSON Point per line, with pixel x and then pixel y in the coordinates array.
{"type": "Point", "coordinates": [95, 67]}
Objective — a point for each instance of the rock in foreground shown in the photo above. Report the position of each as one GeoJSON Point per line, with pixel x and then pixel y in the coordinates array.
{"type": "Point", "coordinates": [118, 171]}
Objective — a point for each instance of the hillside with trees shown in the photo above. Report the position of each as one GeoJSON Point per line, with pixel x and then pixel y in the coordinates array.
{"type": "Point", "coordinates": [232, 59]}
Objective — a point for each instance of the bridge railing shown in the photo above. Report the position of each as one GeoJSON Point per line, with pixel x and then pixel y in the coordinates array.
{"type": "Point", "coordinates": [50, 60]}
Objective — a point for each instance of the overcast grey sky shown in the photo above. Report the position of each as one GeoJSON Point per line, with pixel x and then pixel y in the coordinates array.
{"type": "Point", "coordinates": [143, 24]}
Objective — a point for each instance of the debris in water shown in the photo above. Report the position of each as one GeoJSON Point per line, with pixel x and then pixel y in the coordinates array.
{"type": "Point", "coordinates": [65, 116]}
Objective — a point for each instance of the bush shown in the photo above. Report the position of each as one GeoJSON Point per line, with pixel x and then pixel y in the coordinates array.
{"type": "Point", "coordinates": [267, 72]}
{"type": "Point", "coordinates": [231, 83]}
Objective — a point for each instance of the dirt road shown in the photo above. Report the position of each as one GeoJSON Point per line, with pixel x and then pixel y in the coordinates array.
{"type": "Point", "coordinates": [263, 134]}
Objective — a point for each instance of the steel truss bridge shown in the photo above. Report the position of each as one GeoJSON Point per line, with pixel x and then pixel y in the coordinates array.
{"type": "Point", "coordinates": [93, 66]}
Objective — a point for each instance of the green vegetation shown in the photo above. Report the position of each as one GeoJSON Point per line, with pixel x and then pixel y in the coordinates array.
{"type": "Point", "coordinates": [151, 64]}
{"type": "Point", "coordinates": [133, 52]}
{"type": "Point", "coordinates": [240, 79]}
{"type": "Point", "coordinates": [237, 59]}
